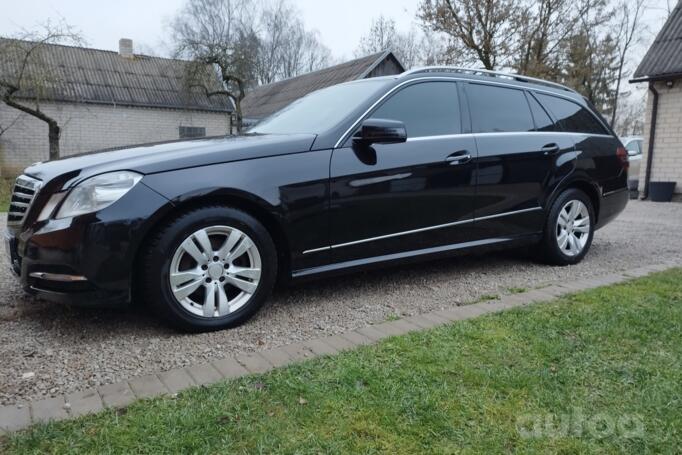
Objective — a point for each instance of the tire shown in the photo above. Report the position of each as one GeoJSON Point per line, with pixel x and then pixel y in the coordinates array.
{"type": "Point", "coordinates": [183, 275]}
{"type": "Point", "coordinates": [558, 250]}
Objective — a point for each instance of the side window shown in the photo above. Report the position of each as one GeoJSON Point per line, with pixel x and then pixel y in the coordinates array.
{"type": "Point", "coordinates": [498, 109]}
{"type": "Point", "coordinates": [570, 116]}
{"type": "Point", "coordinates": [542, 120]}
{"type": "Point", "coordinates": [427, 109]}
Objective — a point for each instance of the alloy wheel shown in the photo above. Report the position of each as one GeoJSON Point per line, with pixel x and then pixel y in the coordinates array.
{"type": "Point", "coordinates": [215, 271]}
{"type": "Point", "coordinates": [573, 227]}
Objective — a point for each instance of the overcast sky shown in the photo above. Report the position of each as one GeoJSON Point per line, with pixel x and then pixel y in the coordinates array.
{"type": "Point", "coordinates": [340, 23]}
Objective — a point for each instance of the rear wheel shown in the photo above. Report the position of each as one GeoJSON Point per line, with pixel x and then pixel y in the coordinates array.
{"type": "Point", "coordinates": [210, 268]}
{"type": "Point", "coordinates": [569, 229]}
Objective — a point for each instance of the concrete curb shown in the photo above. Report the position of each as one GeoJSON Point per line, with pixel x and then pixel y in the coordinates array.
{"type": "Point", "coordinates": [121, 394]}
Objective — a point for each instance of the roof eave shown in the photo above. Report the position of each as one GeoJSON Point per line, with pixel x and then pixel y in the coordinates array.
{"type": "Point", "coordinates": [656, 78]}
{"type": "Point", "coordinates": [132, 104]}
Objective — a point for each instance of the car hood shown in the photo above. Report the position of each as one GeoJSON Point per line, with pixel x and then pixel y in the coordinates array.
{"type": "Point", "coordinates": [166, 156]}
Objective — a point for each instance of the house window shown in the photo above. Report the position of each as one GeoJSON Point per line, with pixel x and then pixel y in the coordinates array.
{"type": "Point", "coordinates": [188, 132]}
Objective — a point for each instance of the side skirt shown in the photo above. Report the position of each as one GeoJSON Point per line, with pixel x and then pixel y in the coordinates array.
{"type": "Point", "coordinates": [416, 255]}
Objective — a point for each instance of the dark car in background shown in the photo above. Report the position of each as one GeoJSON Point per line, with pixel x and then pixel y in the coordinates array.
{"type": "Point", "coordinates": [431, 162]}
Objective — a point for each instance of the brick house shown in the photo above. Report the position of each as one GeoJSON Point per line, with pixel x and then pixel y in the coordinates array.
{"type": "Point", "coordinates": [111, 99]}
{"type": "Point", "coordinates": [661, 68]}
{"type": "Point", "coordinates": [268, 99]}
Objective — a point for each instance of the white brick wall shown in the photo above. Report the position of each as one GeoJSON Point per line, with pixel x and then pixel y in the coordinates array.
{"type": "Point", "coordinates": [92, 127]}
{"type": "Point", "coordinates": [667, 164]}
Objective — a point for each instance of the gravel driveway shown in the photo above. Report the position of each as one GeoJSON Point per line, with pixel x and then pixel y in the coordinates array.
{"type": "Point", "coordinates": [48, 349]}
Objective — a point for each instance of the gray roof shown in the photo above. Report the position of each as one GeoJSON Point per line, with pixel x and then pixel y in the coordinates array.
{"type": "Point", "coordinates": [105, 77]}
{"type": "Point", "coordinates": [267, 99]}
{"type": "Point", "coordinates": [664, 57]}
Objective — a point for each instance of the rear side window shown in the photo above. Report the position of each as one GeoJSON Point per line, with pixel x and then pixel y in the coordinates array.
{"type": "Point", "coordinates": [542, 121]}
{"type": "Point", "coordinates": [427, 109]}
{"type": "Point", "coordinates": [497, 109]}
{"type": "Point", "coordinates": [570, 116]}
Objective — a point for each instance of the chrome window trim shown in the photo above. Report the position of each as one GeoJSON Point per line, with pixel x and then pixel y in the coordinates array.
{"type": "Point", "coordinates": [346, 134]}
{"type": "Point", "coordinates": [414, 231]}
{"type": "Point", "coordinates": [499, 133]}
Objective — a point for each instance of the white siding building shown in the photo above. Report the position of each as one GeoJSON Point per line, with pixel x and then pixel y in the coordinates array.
{"type": "Point", "coordinates": [662, 69]}
{"type": "Point", "coordinates": [109, 100]}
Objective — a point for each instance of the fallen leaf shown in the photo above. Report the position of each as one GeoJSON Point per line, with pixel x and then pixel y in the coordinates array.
{"type": "Point", "coordinates": [302, 400]}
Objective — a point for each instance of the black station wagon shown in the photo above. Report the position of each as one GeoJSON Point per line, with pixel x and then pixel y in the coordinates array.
{"type": "Point", "coordinates": [431, 162]}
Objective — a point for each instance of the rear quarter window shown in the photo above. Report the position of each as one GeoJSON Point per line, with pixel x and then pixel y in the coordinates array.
{"type": "Point", "coordinates": [571, 117]}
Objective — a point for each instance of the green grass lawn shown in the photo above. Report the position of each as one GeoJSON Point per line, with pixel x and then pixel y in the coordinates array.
{"type": "Point", "coordinates": [599, 371]}
{"type": "Point", "coordinates": [5, 193]}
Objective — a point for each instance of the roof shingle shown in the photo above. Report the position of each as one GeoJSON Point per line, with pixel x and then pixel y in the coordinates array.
{"type": "Point", "coordinates": [664, 57]}
{"type": "Point", "coordinates": [104, 77]}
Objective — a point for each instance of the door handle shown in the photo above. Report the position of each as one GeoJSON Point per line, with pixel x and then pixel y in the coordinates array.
{"type": "Point", "coordinates": [550, 148]}
{"type": "Point", "coordinates": [460, 157]}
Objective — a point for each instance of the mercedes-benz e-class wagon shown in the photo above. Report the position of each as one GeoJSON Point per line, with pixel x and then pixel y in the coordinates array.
{"type": "Point", "coordinates": [431, 162]}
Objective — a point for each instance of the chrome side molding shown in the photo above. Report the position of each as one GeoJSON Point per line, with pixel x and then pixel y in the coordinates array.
{"type": "Point", "coordinates": [414, 231]}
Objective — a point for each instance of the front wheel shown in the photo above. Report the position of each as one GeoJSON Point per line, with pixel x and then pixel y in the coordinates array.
{"type": "Point", "coordinates": [569, 229]}
{"type": "Point", "coordinates": [210, 268]}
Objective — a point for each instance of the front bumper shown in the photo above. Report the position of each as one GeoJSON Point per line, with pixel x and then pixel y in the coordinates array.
{"type": "Point", "coordinates": [89, 259]}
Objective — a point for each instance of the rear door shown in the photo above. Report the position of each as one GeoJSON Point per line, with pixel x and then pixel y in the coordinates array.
{"type": "Point", "coordinates": [516, 155]}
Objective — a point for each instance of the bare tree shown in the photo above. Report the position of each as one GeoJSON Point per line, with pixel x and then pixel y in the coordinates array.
{"type": "Point", "coordinates": [28, 77]}
{"type": "Point", "coordinates": [409, 47]}
{"type": "Point", "coordinates": [303, 53]}
{"type": "Point", "coordinates": [486, 29]}
{"type": "Point", "coordinates": [245, 43]}
{"type": "Point", "coordinates": [382, 35]}
{"type": "Point", "coordinates": [546, 26]}
{"type": "Point", "coordinates": [287, 49]}
{"type": "Point", "coordinates": [220, 38]}
{"type": "Point", "coordinates": [629, 16]}
{"type": "Point", "coordinates": [590, 57]}
{"type": "Point", "coordinates": [275, 29]}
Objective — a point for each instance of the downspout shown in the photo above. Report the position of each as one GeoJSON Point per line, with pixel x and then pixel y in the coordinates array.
{"type": "Point", "coordinates": [652, 138]}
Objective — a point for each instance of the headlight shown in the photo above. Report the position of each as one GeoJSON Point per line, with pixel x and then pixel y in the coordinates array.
{"type": "Point", "coordinates": [97, 193]}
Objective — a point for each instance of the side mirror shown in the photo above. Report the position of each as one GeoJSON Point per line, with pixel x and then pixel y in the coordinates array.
{"type": "Point", "coordinates": [381, 131]}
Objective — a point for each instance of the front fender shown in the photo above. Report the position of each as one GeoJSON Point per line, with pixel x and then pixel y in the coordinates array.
{"type": "Point", "coordinates": [293, 189]}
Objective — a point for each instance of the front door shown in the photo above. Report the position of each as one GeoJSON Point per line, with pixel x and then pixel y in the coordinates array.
{"type": "Point", "coordinates": [393, 198]}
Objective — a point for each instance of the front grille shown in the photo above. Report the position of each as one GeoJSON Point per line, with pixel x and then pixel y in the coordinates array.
{"type": "Point", "coordinates": [23, 193]}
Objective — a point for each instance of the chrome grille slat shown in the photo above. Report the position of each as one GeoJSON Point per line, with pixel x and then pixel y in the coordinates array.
{"type": "Point", "coordinates": [23, 194]}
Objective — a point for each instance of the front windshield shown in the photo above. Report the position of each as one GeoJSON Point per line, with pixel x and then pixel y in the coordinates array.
{"type": "Point", "coordinates": [320, 110]}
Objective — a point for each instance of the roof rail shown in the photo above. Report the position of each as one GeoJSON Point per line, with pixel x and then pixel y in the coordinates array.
{"type": "Point", "coordinates": [483, 72]}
